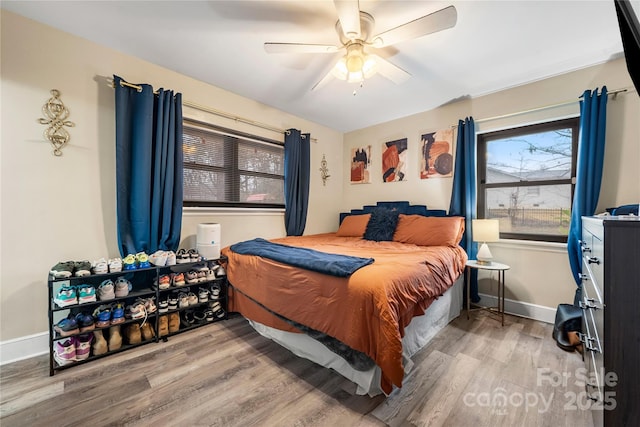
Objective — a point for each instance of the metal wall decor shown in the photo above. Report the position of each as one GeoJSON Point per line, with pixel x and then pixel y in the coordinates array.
{"type": "Point", "coordinates": [324, 171]}
{"type": "Point", "coordinates": [56, 118]}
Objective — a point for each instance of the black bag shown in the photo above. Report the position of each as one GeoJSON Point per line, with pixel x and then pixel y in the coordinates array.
{"type": "Point", "coordinates": [568, 319]}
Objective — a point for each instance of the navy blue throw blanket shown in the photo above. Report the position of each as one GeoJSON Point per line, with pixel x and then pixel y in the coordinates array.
{"type": "Point", "coordinates": [309, 259]}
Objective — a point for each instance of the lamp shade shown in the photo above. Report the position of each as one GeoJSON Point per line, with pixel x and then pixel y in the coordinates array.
{"type": "Point", "coordinates": [486, 230]}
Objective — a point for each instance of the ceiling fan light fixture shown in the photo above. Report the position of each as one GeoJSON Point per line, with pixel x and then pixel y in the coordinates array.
{"type": "Point", "coordinates": [355, 66]}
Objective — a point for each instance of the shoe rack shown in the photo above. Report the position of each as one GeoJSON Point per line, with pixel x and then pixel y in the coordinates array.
{"type": "Point", "coordinates": [143, 283]}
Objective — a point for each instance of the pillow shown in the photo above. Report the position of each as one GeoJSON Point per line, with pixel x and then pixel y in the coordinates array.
{"type": "Point", "coordinates": [381, 225]}
{"type": "Point", "coordinates": [429, 230]}
{"type": "Point", "coordinates": [353, 226]}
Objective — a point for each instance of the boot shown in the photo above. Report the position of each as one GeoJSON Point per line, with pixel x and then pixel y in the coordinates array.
{"type": "Point", "coordinates": [133, 334]}
{"type": "Point", "coordinates": [174, 322]}
{"type": "Point", "coordinates": [147, 331]}
{"type": "Point", "coordinates": [115, 338]}
{"type": "Point", "coordinates": [163, 328]}
{"type": "Point", "coordinates": [99, 344]}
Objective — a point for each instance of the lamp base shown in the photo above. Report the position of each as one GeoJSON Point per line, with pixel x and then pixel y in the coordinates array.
{"type": "Point", "coordinates": [484, 262]}
{"type": "Point", "coordinates": [484, 256]}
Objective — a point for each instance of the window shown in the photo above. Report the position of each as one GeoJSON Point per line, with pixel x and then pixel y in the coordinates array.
{"type": "Point", "coordinates": [526, 179]}
{"type": "Point", "coordinates": [227, 168]}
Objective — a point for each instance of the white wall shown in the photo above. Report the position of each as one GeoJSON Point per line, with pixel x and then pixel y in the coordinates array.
{"type": "Point", "coordinates": [63, 208]}
{"type": "Point", "coordinates": [540, 274]}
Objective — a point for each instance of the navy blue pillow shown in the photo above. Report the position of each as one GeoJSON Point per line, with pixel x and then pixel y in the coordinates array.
{"type": "Point", "coordinates": [381, 225]}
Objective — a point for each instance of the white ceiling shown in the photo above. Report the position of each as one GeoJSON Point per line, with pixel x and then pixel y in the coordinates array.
{"type": "Point", "coordinates": [494, 45]}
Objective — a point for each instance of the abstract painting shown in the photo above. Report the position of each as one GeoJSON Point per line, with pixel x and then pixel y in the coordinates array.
{"type": "Point", "coordinates": [361, 165]}
{"type": "Point", "coordinates": [394, 160]}
{"type": "Point", "coordinates": [436, 150]}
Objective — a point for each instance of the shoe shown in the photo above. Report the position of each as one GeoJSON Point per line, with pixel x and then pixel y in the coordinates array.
{"type": "Point", "coordinates": [147, 331]}
{"type": "Point", "coordinates": [62, 270]}
{"type": "Point", "coordinates": [123, 287]}
{"type": "Point", "coordinates": [85, 321]}
{"type": "Point", "coordinates": [115, 338]}
{"type": "Point", "coordinates": [64, 351]}
{"type": "Point", "coordinates": [174, 322]}
{"type": "Point", "coordinates": [163, 306]}
{"type": "Point", "coordinates": [99, 343]}
{"type": "Point", "coordinates": [193, 298]}
{"type": "Point", "coordinates": [171, 258]}
{"type": "Point", "coordinates": [117, 313]}
{"type": "Point", "coordinates": [178, 279]}
{"type": "Point", "coordinates": [186, 319]}
{"type": "Point", "coordinates": [100, 266]}
{"type": "Point", "coordinates": [102, 316]}
{"type": "Point", "coordinates": [66, 296]}
{"type": "Point", "coordinates": [158, 258]}
{"type": "Point", "coordinates": [214, 292]}
{"type": "Point", "coordinates": [221, 272]}
{"type": "Point", "coordinates": [66, 327]}
{"type": "Point", "coordinates": [129, 262]}
{"type": "Point", "coordinates": [86, 293]}
{"type": "Point", "coordinates": [163, 326]}
{"type": "Point", "coordinates": [82, 268]}
{"type": "Point", "coordinates": [105, 290]}
{"type": "Point", "coordinates": [203, 295]}
{"type": "Point", "coordinates": [192, 277]}
{"type": "Point", "coordinates": [208, 314]}
{"type": "Point", "coordinates": [136, 310]}
{"type": "Point", "coordinates": [83, 346]}
{"type": "Point", "coordinates": [182, 257]}
{"type": "Point", "coordinates": [194, 256]}
{"type": "Point", "coordinates": [150, 305]}
{"type": "Point", "coordinates": [210, 275]}
{"type": "Point", "coordinates": [202, 276]}
{"type": "Point", "coordinates": [217, 309]}
{"type": "Point", "coordinates": [132, 333]}
{"type": "Point", "coordinates": [115, 265]}
{"type": "Point", "coordinates": [164, 282]}
{"type": "Point", "coordinates": [143, 260]}
{"type": "Point", "coordinates": [173, 302]}
{"type": "Point", "coordinates": [199, 317]}
{"type": "Point", "coordinates": [183, 300]}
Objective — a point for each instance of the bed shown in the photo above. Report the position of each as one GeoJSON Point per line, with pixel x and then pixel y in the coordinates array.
{"type": "Point", "coordinates": [403, 287]}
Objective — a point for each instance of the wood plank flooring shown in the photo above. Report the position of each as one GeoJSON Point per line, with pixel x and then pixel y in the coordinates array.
{"type": "Point", "coordinates": [473, 373]}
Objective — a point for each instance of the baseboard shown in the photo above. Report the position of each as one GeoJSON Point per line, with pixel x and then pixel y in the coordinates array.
{"type": "Point", "coordinates": [522, 309]}
{"type": "Point", "coordinates": [24, 347]}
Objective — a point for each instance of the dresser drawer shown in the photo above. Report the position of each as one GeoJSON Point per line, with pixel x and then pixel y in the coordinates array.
{"type": "Point", "coordinates": [593, 310]}
{"type": "Point", "coordinates": [592, 246]}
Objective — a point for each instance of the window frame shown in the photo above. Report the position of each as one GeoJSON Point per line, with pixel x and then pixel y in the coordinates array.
{"type": "Point", "coordinates": [231, 170]}
{"type": "Point", "coordinates": [483, 186]}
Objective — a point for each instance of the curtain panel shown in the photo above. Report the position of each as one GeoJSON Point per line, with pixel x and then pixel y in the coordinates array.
{"type": "Point", "coordinates": [297, 167]}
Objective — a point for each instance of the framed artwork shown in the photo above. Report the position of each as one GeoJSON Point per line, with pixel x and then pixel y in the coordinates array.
{"type": "Point", "coordinates": [394, 160]}
{"type": "Point", "coordinates": [361, 165]}
{"type": "Point", "coordinates": [436, 152]}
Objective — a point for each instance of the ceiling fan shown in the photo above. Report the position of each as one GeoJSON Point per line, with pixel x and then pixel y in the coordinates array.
{"type": "Point", "coordinates": [355, 31]}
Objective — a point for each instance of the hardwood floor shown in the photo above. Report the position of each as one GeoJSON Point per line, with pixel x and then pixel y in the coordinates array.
{"type": "Point", "coordinates": [473, 373]}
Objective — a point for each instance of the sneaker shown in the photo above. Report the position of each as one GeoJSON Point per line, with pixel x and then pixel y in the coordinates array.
{"type": "Point", "coordinates": [129, 262]}
{"type": "Point", "coordinates": [83, 346]}
{"type": "Point", "coordinates": [158, 258]}
{"type": "Point", "coordinates": [100, 266]}
{"type": "Point", "coordinates": [66, 327]}
{"type": "Point", "coordinates": [203, 295]}
{"type": "Point", "coordinates": [85, 322]}
{"type": "Point", "coordinates": [136, 311]}
{"type": "Point", "coordinates": [192, 277]}
{"type": "Point", "coordinates": [164, 282]}
{"type": "Point", "coordinates": [221, 272]}
{"type": "Point", "coordinates": [217, 309]}
{"type": "Point", "coordinates": [163, 306]}
{"type": "Point", "coordinates": [199, 316]}
{"type": "Point", "coordinates": [143, 260]}
{"type": "Point", "coordinates": [193, 298]}
{"type": "Point", "coordinates": [102, 315]}
{"type": "Point", "coordinates": [149, 304]}
{"type": "Point", "coordinates": [117, 313]}
{"type": "Point", "coordinates": [105, 290]}
{"type": "Point", "coordinates": [123, 287]}
{"type": "Point", "coordinates": [210, 275]}
{"type": "Point", "coordinates": [66, 296]}
{"type": "Point", "coordinates": [173, 302]}
{"type": "Point", "coordinates": [208, 314]}
{"type": "Point", "coordinates": [214, 291]}
{"type": "Point", "coordinates": [115, 265]}
{"type": "Point", "coordinates": [64, 351]}
{"type": "Point", "coordinates": [62, 270]}
{"type": "Point", "coordinates": [171, 258]}
{"type": "Point", "coordinates": [186, 318]}
{"type": "Point", "coordinates": [178, 279]}
{"type": "Point", "coordinates": [202, 276]}
{"type": "Point", "coordinates": [183, 300]}
{"type": "Point", "coordinates": [82, 268]}
{"type": "Point", "coordinates": [86, 293]}
{"type": "Point", "coordinates": [194, 256]}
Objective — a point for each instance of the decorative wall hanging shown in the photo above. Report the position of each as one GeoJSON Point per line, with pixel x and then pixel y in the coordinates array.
{"type": "Point", "coordinates": [394, 160]}
{"type": "Point", "coordinates": [361, 165]}
{"type": "Point", "coordinates": [436, 154]}
{"type": "Point", "coordinates": [56, 118]}
{"type": "Point", "coordinates": [324, 170]}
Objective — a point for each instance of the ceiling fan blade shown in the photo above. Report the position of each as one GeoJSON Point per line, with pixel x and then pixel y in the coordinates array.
{"type": "Point", "coordinates": [349, 16]}
{"type": "Point", "coordinates": [322, 83]}
{"type": "Point", "coordinates": [299, 48]}
{"type": "Point", "coordinates": [434, 22]}
{"type": "Point", "coordinates": [390, 71]}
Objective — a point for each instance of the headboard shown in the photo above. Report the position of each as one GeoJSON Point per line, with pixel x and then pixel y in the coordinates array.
{"type": "Point", "coordinates": [402, 206]}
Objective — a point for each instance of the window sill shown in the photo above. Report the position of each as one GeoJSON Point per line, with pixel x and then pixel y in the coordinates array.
{"type": "Point", "coordinates": [198, 211]}
{"type": "Point", "coordinates": [531, 245]}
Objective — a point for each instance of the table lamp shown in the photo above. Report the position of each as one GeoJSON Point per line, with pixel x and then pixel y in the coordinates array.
{"type": "Point", "coordinates": [485, 230]}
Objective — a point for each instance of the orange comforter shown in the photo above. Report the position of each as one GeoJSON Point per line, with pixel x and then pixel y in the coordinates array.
{"type": "Point", "coordinates": [368, 311]}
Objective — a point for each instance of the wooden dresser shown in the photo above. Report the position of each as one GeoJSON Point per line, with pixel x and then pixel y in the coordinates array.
{"type": "Point", "coordinates": [611, 318]}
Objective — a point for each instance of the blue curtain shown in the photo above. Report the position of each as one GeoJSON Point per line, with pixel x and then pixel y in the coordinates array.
{"type": "Point", "coordinates": [463, 194]}
{"type": "Point", "coordinates": [593, 123]}
{"type": "Point", "coordinates": [297, 150]}
{"type": "Point", "coordinates": [148, 168]}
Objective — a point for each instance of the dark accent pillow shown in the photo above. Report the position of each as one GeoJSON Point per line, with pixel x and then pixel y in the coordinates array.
{"type": "Point", "coordinates": [381, 225]}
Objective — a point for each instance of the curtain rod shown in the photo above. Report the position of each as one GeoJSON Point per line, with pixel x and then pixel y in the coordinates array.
{"type": "Point", "coordinates": [214, 111]}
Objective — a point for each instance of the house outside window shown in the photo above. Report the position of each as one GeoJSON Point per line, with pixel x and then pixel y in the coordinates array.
{"type": "Point", "coordinates": [526, 179]}
{"type": "Point", "coordinates": [224, 168]}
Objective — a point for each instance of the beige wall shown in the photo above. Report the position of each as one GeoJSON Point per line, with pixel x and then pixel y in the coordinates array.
{"type": "Point", "coordinates": [61, 208]}
{"type": "Point", "coordinates": [540, 274]}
